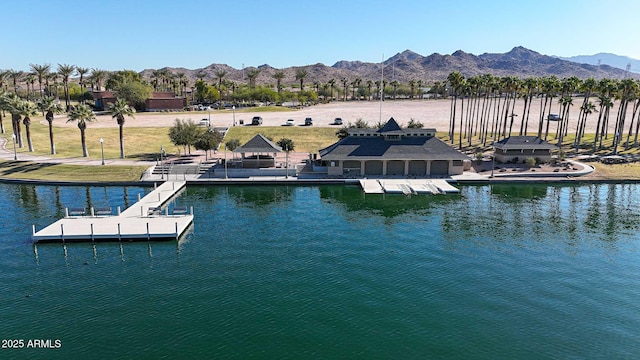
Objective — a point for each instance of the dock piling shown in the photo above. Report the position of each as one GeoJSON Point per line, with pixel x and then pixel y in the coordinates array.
{"type": "Point", "coordinates": [93, 213]}
{"type": "Point", "coordinates": [176, 230]}
{"type": "Point", "coordinates": [119, 234]}
{"type": "Point", "coordinates": [92, 239]}
{"type": "Point", "coordinates": [148, 234]}
{"type": "Point", "coordinates": [118, 210]}
{"type": "Point", "coordinates": [66, 212]}
{"type": "Point", "coordinates": [33, 229]}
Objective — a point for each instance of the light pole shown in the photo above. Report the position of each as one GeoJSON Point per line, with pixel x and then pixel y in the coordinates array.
{"type": "Point", "coordinates": [102, 149]}
{"type": "Point", "coordinates": [234, 114]}
{"type": "Point", "coordinates": [209, 112]}
{"type": "Point", "coordinates": [493, 162]}
{"type": "Point", "coordinates": [161, 164]}
{"type": "Point", "coordinates": [15, 151]}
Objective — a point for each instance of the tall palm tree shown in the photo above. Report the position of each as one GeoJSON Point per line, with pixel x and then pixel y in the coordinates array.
{"type": "Point", "coordinates": [49, 78]}
{"type": "Point", "coordinates": [412, 86]}
{"type": "Point", "coordinates": [4, 103]}
{"type": "Point", "coordinates": [97, 77]}
{"type": "Point", "coordinates": [118, 110]}
{"type": "Point", "coordinates": [252, 74]}
{"type": "Point", "coordinates": [345, 83]}
{"type": "Point", "coordinates": [220, 74]}
{"type": "Point", "coordinates": [82, 72]}
{"type": "Point", "coordinates": [30, 80]}
{"type": "Point", "coordinates": [41, 72]}
{"type": "Point", "coordinates": [278, 75]}
{"type": "Point", "coordinates": [456, 80]}
{"type": "Point", "coordinates": [81, 114]}
{"type": "Point", "coordinates": [300, 75]}
{"type": "Point", "coordinates": [13, 105]}
{"type": "Point", "coordinates": [332, 85]}
{"type": "Point", "coordinates": [15, 75]}
{"type": "Point", "coordinates": [65, 72]}
{"type": "Point", "coordinates": [28, 109]}
{"type": "Point", "coordinates": [50, 106]}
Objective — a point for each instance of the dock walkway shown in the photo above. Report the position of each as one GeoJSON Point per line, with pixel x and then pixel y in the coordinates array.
{"type": "Point", "coordinates": [144, 220]}
{"type": "Point", "coordinates": [407, 186]}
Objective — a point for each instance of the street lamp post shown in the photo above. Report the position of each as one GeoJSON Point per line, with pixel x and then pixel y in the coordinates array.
{"type": "Point", "coordinates": [102, 149]}
{"type": "Point", "coordinates": [209, 112]}
{"type": "Point", "coordinates": [234, 114]}
{"type": "Point", "coordinates": [286, 174]}
{"type": "Point", "coordinates": [15, 151]}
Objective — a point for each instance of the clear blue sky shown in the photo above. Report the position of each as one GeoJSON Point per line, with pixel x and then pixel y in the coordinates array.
{"type": "Point", "coordinates": [140, 34]}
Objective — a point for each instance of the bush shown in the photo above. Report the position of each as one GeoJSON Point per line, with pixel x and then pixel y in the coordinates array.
{"type": "Point", "coordinates": [531, 162]}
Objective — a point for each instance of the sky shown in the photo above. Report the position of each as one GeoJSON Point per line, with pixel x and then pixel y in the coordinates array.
{"type": "Point", "coordinates": [143, 34]}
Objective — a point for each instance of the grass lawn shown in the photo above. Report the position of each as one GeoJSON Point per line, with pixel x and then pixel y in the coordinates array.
{"type": "Point", "coordinates": [139, 143]}
{"type": "Point", "coordinates": [305, 138]}
{"type": "Point", "coordinates": [64, 172]}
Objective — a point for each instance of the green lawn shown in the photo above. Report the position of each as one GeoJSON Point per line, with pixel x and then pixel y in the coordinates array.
{"type": "Point", "coordinates": [64, 172]}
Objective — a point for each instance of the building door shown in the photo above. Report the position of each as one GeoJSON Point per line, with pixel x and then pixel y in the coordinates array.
{"type": "Point", "coordinates": [351, 168]}
{"type": "Point", "coordinates": [373, 167]}
{"type": "Point", "coordinates": [395, 167]}
{"type": "Point", "coordinates": [417, 167]}
{"type": "Point", "coordinates": [440, 167]}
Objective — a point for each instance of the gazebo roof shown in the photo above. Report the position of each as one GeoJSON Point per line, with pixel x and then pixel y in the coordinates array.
{"type": "Point", "coordinates": [258, 144]}
{"type": "Point", "coordinates": [523, 142]}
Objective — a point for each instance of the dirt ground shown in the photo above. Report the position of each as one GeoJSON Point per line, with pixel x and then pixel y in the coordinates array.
{"type": "Point", "coordinates": [431, 113]}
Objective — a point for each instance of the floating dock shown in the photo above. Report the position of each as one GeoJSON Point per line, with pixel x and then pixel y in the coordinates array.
{"type": "Point", "coordinates": [407, 186]}
{"type": "Point", "coordinates": [144, 220]}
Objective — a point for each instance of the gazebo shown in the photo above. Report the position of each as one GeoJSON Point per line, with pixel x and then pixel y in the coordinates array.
{"type": "Point", "coordinates": [518, 148]}
{"type": "Point", "coordinates": [259, 152]}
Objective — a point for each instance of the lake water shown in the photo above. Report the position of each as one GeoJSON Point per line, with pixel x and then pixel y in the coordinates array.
{"type": "Point", "coordinates": [504, 271]}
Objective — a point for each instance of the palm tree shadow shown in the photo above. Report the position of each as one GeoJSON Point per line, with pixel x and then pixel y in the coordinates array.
{"type": "Point", "coordinates": [23, 167]}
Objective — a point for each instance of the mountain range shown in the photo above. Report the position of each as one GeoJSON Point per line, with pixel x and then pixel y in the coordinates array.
{"type": "Point", "coordinates": [408, 65]}
{"type": "Point", "coordinates": [614, 60]}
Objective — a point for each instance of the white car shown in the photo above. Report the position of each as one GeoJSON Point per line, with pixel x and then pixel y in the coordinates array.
{"type": "Point", "coordinates": [289, 122]}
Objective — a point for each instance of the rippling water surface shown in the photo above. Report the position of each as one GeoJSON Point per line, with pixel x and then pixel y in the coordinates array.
{"type": "Point", "coordinates": [327, 272]}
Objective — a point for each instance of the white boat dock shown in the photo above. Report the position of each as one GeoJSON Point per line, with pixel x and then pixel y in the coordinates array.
{"type": "Point", "coordinates": [144, 220]}
{"type": "Point", "coordinates": [407, 186]}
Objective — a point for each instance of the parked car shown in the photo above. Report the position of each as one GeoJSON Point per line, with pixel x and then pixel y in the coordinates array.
{"type": "Point", "coordinates": [308, 122]}
{"type": "Point", "coordinates": [554, 117]}
{"type": "Point", "coordinates": [289, 122]}
{"type": "Point", "coordinates": [257, 120]}
{"type": "Point", "coordinates": [204, 122]}
{"type": "Point", "coordinates": [337, 121]}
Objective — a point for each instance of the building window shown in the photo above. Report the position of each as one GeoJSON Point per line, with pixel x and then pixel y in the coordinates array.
{"type": "Point", "coordinates": [457, 162]}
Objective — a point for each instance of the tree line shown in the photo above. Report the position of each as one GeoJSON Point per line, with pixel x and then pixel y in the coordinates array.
{"type": "Point", "coordinates": [483, 109]}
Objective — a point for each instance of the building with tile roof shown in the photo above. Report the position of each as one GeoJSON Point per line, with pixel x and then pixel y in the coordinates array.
{"type": "Point", "coordinates": [392, 151]}
{"type": "Point", "coordinates": [518, 148]}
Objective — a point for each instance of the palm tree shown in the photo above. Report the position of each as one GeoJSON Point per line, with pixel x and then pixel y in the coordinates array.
{"type": "Point", "coordinates": [81, 114]}
{"type": "Point", "coordinates": [279, 75]}
{"type": "Point", "coordinates": [4, 103]}
{"type": "Point", "coordinates": [30, 79]}
{"type": "Point", "coordinates": [65, 72]}
{"type": "Point", "coordinates": [50, 106]}
{"type": "Point", "coordinates": [287, 145]}
{"type": "Point", "coordinates": [300, 75]}
{"type": "Point", "coordinates": [345, 82]}
{"type": "Point", "coordinates": [13, 105]}
{"type": "Point", "coordinates": [15, 76]}
{"type": "Point", "coordinates": [332, 85]}
{"type": "Point", "coordinates": [82, 72]}
{"type": "Point", "coordinates": [252, 74]}
{"type": "Point", "coordinates": [28, 109]}
{"type": "Point", "coordinates": [118, 110]}
{"type": "Point", "coordinates": [412, 86]}
{"type": "Point", "coordinates": [97, 77]}
{"type": "Point", "coordinates": [41, 71]}
{"type": "Point", "coordinates": [220, 75]}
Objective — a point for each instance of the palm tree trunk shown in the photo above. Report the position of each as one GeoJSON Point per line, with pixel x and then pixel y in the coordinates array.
{"type": "Point", "coordinates": [121, 141]}
{"type": "Point", "coordinates": [53, 146]}
{"type": "Point", "coordinates": [27, 127]}
{"type": "Point", "coordinates": [83, 140]}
